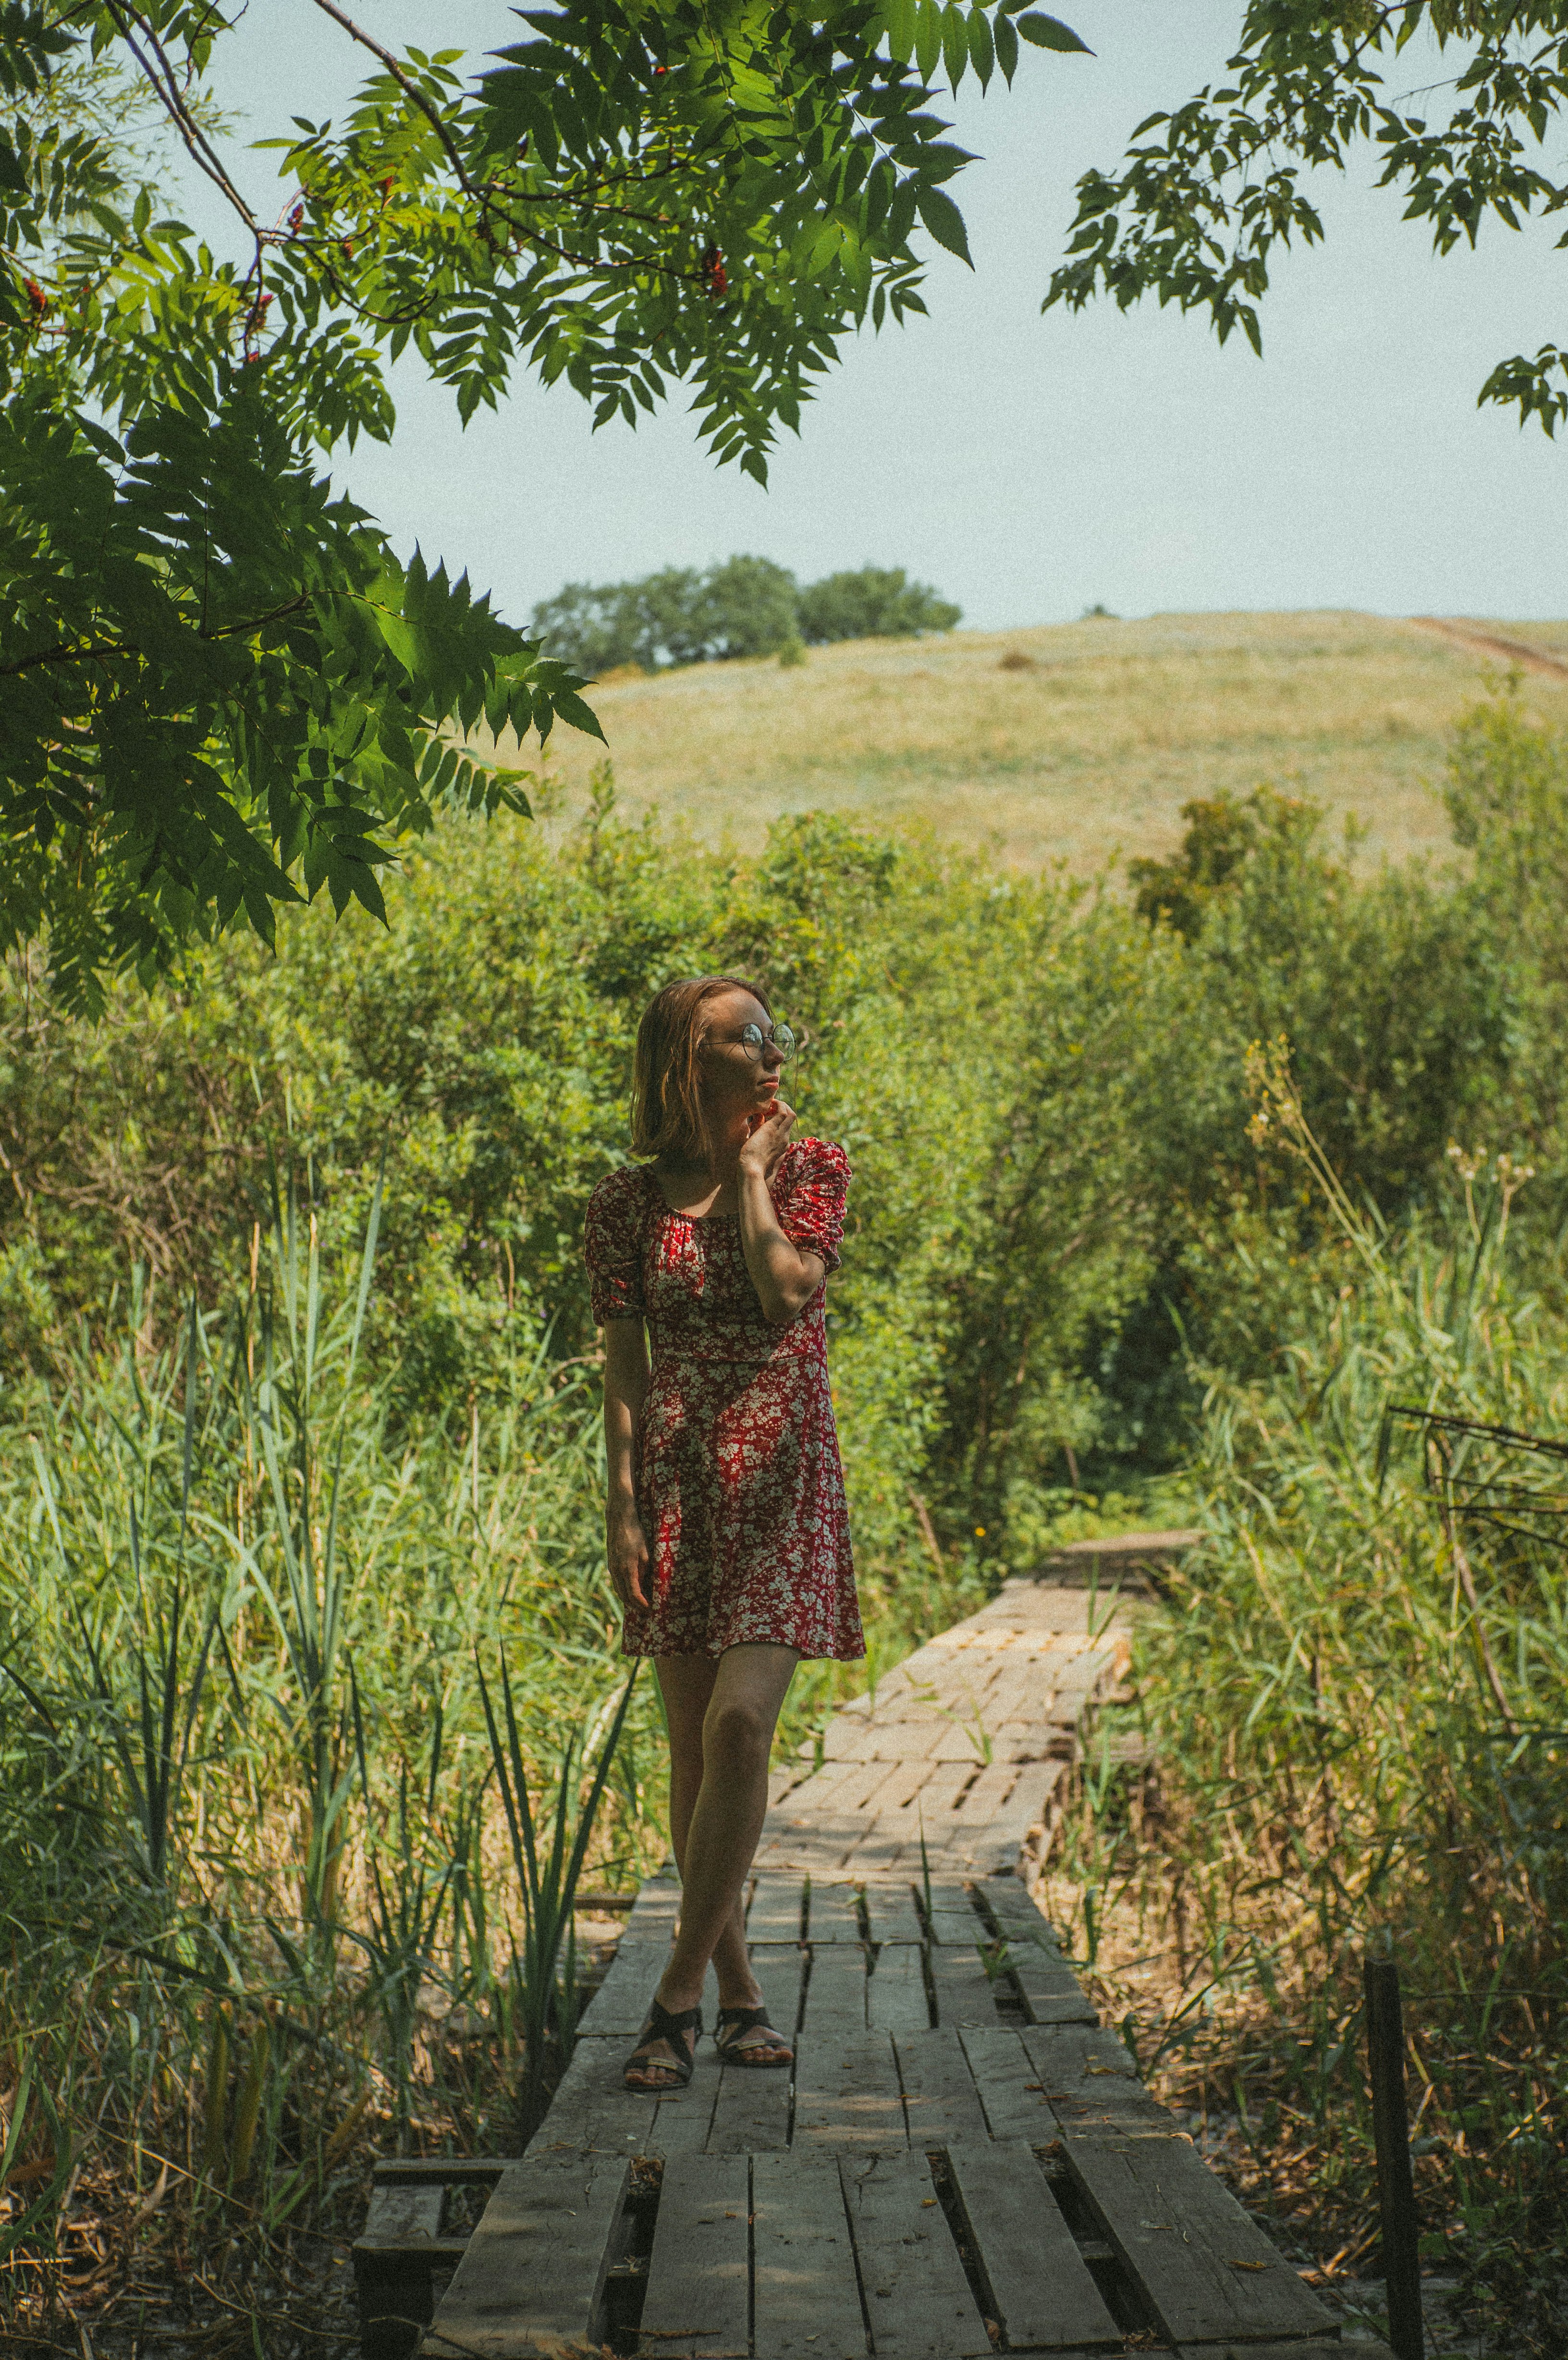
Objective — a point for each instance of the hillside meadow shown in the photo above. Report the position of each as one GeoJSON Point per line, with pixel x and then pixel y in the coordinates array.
{"type": "Point", "coordinates": [1086, 747]}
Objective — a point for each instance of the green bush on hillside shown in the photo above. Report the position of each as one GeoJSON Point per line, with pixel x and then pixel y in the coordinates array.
{"type": "Point", "coordinates": [875, 602]}
{"type": "Point", "coordinates": [746, 607]}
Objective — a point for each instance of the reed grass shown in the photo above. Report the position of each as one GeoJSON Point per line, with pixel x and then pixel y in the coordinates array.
{"type": "Point", "coordinates": [258, 1917]}
{"type": "Point", "coordinates": [1356, 1711]}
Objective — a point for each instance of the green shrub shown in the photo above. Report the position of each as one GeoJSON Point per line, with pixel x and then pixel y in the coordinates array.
{"type": "Point", "coordinates": [874, 602]}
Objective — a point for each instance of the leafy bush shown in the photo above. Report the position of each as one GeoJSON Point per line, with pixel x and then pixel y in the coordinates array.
{"type": "Point", "coordinates": [877, 602]}
{"type": "Point", "coordinates": [1357, 1709]}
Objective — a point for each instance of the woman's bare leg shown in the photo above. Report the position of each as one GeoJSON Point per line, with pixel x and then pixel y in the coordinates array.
{"type": "Point", "coordinates": [721, 1718]}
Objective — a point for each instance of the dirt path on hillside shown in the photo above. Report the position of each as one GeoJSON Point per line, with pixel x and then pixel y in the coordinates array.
{"type": "Point", "coordinates": [1470, 635]}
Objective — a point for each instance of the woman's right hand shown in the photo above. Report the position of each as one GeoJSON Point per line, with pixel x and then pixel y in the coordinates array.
{"type": "Point", "coordinates": [625, 1549]}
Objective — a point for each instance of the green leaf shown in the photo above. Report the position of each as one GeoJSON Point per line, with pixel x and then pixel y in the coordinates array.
{"type": "Point", "coordinates": [944, 221]}
{"type": "Point", "coordinates": [928, 38]}
{"type": "Point", "coordinates": [1051, 33]}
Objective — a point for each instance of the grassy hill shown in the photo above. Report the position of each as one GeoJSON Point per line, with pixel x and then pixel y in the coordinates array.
{"type": "Point", "coordinates": [1085, 748]}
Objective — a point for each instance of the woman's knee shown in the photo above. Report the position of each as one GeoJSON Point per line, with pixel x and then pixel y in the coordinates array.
{"type": "Point", "coordinates": [737, 1733]}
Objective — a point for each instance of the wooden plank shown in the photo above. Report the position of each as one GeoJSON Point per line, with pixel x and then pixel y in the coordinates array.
{"type": "Point", "coordinates": [393, 2262]}
{"type": "Point", "coordinates": [806, 2296]}
{"type": "Point", "coordinates": [964, 1992]}
{"type": "Point", "coordinates": [1203, 2268]}
{"type": "Point", "coordinates": [917, 2296]}
{"type": "Point", "coordinates": [656, 1911]}
{"type": "Point", "coordinates": [942, 2104]}
{"type": "Point", "coordinates": [1008, 2085]}
{"type": "Point", "coordinates": [681, 2124]}
{"type": "Point", "coordinates": [951, 1915]}
{"type": "Point", "coordinates": [906, 1780]}
{"type": "Point", "coordinates": [777, 1910]}
{"type": "Point", "coordinates": [620, 2004]}
{"type": "Point", "coordinates": [751, 2115]}
{"type": "Point", "coordinates": [832, 1914]}
{"type": "Point", "coordinates": [535, 2266]}
{"type": "Point", "coordinates": [836, 1992]}
{"type": "Point", "coordinates": [439, 2170]}
{"type": "Point", "coordinates": [890, 1913]}
{"type": "Point", "coordinates": [594, 2108]}
{"type": "Point", "coordinates": [847, 2093]}
{"type": "Point", "coordinates": [780, 1968]}
{"type": "Point", "coordinates": [403, 2214]}
{"type": "Point", "coordinates": [896, 1997]}
{"type": "Point", "coordinates": [752, 2112]}
{"type": "Point", "coordinates": [1045, 2296]}
{"type": "Point", "coordinates": [1229, 2350]}
{"type": "Point", "coordinates": [1088, 2081]}
{"type": "Point", "coordinates": [697, 2295]}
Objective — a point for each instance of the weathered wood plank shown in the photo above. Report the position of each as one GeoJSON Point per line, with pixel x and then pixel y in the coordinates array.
{"type": "Point", "coordinates": [396, 2216]}
{"type": "Point", "coordinates": [890, 1913]}
{"type": "Point", "coordinates": [836, 1992]}
{"type": "Point", "coordinates": [535, 2266]}
{"type": "Point", "coordinates": [953, 1917]}
{"type": "Point", "coordinates": [777, 1910]}
{"type": "Point", "coordinates": [1045, 2296]}
{"type": "Point", "coordinates": [832, 1914]}
{"type": "Point", "coordinates": [806, 2296]}
{"type": "Point", "coordinates": [594, 2108]}
{"type": "Point", "coordinates": [896, 1997]}
{"type": "Point", "coordinates": [1206, 2270]}
{"type": "Point", "coordinates": [917, 2296]}
{"type": "Point", "coordinates": [620, 2004]}
{"type": "Point", "coordinates": [654, 1914]}
{"type": "Point", "coordinates": [1051, 1994]}
{"type": "Point", "coordinates": [964, 1992]}
{"type": "Point", "coordinates": [697, 2295]}
{"type": "Point", "coordinates": [752, 2111]}
{"type": "Point", "coordinates": [1009, 2084]}
{"type": "Point", "coordinates": [1089, 2083]}
{"type": "Point", "coordinates": [847, 2093]}
{"type": "Point", "coordinates": [1229, 2350]}
{"type": "Point", "coordinates": [393, 2260]}
{"type": "Point", "coordinates": [681, 2124]}
{"type": "Point", "coordinates": [779, 1968]}
{"type": "Point", "coordinates": [942, 2104]}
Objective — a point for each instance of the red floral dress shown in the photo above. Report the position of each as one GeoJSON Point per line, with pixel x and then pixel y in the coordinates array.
{"type": "Point", "coordinates": [738, 1480]}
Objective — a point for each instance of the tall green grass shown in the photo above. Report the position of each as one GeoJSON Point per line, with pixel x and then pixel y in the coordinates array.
{"type": "Point", "coordinates": [1358, 1702]}
{"type": "Point", "coordinates": [258, 1906]}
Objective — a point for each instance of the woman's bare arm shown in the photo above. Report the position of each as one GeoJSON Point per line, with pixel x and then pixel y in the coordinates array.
{"type": "Point", "coordinates": [625, 1388]}
{"type": "Point", "coordinates": [786, 1276]}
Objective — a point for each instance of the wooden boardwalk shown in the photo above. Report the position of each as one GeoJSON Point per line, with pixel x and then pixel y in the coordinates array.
{"type": "Point", "coordinates": [962, 2160]}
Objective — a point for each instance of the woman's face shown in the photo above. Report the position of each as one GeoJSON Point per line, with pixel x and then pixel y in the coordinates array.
{"type": "Point", "coordinates": [733, 1081]}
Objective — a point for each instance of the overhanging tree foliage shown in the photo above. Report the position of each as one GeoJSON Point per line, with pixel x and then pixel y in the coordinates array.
{"type": "Point", "coordinates": [1206, 192]}
{"type": "Point", "coordinates": [219, 691]}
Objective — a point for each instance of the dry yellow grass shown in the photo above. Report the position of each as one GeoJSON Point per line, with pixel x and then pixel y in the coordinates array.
{"type": "Point", "coordinates": [1089, 750]}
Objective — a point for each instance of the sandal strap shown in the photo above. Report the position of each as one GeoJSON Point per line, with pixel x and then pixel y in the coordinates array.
{"type": "Point", "coordinates": [745, 2019]}
{"type": "Point", "coordinates": [663, 2026]}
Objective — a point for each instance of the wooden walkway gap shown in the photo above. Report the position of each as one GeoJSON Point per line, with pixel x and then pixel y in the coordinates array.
{"type": "Point", "coordinates": [962, 2159]}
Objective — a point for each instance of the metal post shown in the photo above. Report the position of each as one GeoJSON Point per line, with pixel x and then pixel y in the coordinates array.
{"type": "Point", "coordinates": [1391, 2129]}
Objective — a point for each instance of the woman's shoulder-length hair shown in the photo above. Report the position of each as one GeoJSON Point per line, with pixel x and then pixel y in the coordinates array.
{"type": "Point", "coordinates": [667, 1077]}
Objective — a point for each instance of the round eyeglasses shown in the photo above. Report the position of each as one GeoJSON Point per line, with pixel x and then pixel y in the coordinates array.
{"type": "Point", "coordinates": [754, 1040]}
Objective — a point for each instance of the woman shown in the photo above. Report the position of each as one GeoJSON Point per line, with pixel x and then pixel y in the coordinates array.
{"type": "Point", "coordinates": [726, 1531]}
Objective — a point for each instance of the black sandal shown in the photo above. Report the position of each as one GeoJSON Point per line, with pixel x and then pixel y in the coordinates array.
{"type": "Point", "coordinates": [739, 2021]}
{"type": "Point", "coordinates": [662, 2026]}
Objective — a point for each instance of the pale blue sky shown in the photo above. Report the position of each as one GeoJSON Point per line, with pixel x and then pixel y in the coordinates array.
{"type": "Point", "coordinates": [1027, 465]}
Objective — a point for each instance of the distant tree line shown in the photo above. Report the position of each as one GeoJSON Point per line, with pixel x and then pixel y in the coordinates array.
{"type": "Point", "coordinates": [748, 606]}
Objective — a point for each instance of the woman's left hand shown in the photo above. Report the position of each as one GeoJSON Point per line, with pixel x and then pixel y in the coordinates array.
{"type": "Point", "coordinates": [763, 1148]}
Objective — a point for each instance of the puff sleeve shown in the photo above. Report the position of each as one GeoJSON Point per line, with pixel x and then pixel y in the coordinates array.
{"type": "Point", "coordinates": [814, 1183]}
{"type": "Point", "coordinates": [612, 1246]}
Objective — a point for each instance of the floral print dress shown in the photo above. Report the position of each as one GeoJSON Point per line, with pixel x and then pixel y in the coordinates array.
{"type": "Point", "coordinates": [738, 1480]}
